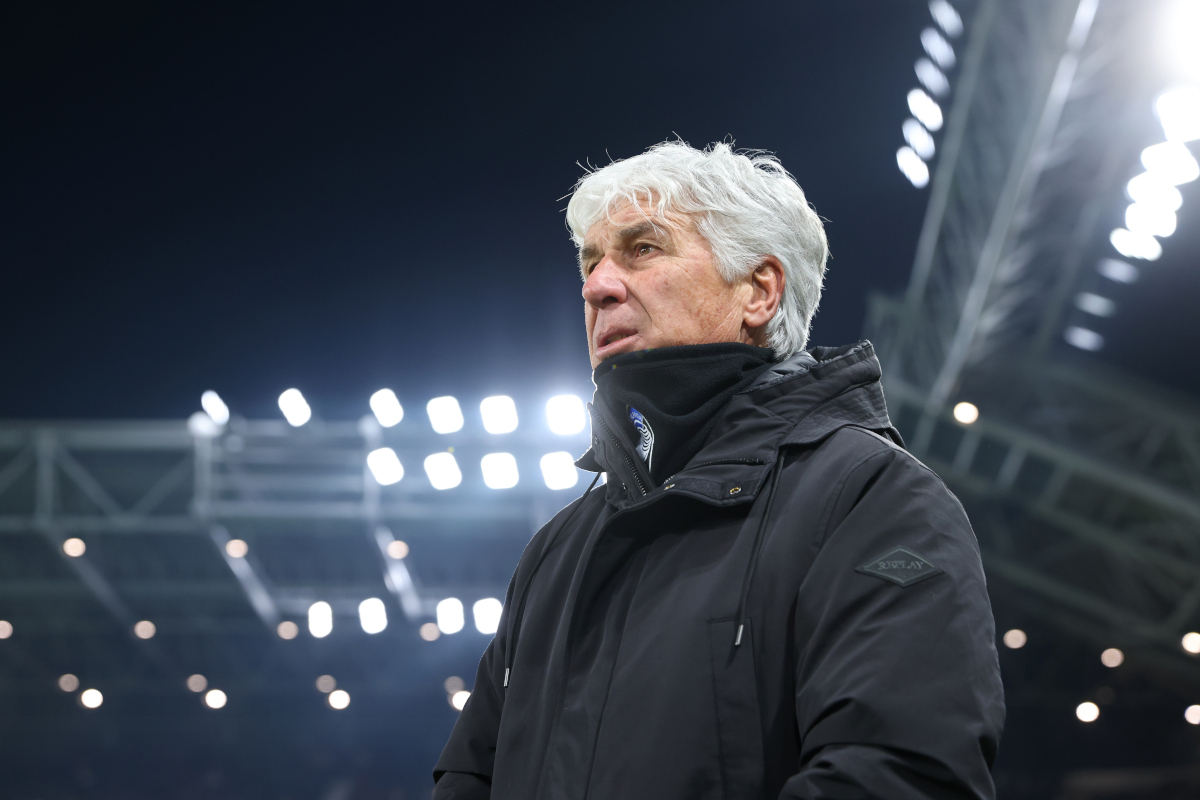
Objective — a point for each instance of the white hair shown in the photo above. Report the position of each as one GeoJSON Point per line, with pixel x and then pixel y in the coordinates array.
{"type": "Point", "coordinates": [744, 204]}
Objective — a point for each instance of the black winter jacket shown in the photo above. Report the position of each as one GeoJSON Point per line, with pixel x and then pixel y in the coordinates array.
{"type": "Point", "coordinates": [799, 613]}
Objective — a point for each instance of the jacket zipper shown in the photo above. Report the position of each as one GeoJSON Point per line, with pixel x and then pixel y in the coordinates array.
{"type": "Point", "coordinates": [629, 465]}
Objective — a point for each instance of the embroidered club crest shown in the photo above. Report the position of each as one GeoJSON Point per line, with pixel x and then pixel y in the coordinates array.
{"type": "Point", "coordinates": [645, 447]}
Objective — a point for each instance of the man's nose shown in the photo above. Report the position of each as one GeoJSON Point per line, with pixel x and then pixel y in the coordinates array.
{"type": "Point", "coordinates": [604, 286]}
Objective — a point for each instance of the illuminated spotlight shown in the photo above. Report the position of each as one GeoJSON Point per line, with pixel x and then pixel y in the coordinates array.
{"type": "Point", "coordinates": [372, 615]}
{"type": "Point", "coordinates": [443, 471]}
{"type": "Point", "coordinates": [931, 77]}
{"type": "Point", "coordinates": [74, 547]}
{"type": "Point", "coordinates": [429, 631]}
{"type": "Point", "coordinates": [1179, 112]}
{"type": "Point", "coordinates": [918, 138]}
{"type": "Point", "coordinates": [444, 414]}
{"type": "Point", "coordinates": [1192, 715]}
{"type": "Point", "coordinates": [450, 615]}
{"type": "Point", "coordinates": [966, 413]}
{"type": "Point", "coordinates": [1191, 642]}
{"type": "Point", "coordinates": [215, 698]}
{"type": "Point", "coordinates": [326, 684]}
{"type": "Point", "coordinates": [91, 698]}
{"type": "Point", "coordinates": [215, 407]}
{"type": "Point", "coordinates": [1087, 712]}
{"type": "Point", "coordinates": [320, 619]}
{"type": "Point", "coordinates": [68, 683]}
{"type": "Point", "coordinates": [499, 470]}
{"type": "Point", "coordinates": [1152, 190]}
{"type": "Point", "coordinates": [487, 614]}
{"type": "Point", "coordinates": [287, 629]}
{"type": "Point", "coordinates": [386, 408]}
{"type": "Point", "coordinates": [339, 699]}
{"type": "Point", "coordinates": [145, 629]}
{"type": "Point", "coordinates": [913, 167]}
{"type": "Point", "coordinates": [1117, 271]}
{"type": "Point", "coordinates": [565, 414]}
{"type": "Point", "coordinates": [1181, 28]}
{"type": "Point", "coordinates": [197, 683]}
{"type": "Point", "coordinates": [938, 48]}
{"type": "Point", "coordinates": [237, 548]}
{"type": "Point", "coordinates": [499, 414]}
{"type": "Point", "coordinates": [6, 629]}
{"type": "Point", "coordinates": [945, 15]}
{"type": "Point", "coordinates": [454, 684]}
{"type": "Point", "coordinates": [1095, 304]}
{"type": "Point", "coordinates": [1150, 220]}
{"type": "Point", "coordinates": [459, 699]}
{"type": "Point", "coordinates": [294, 407]}
{"type": "Point", "coordinates": [1135, 245]}
{"type": "Point", "coordinates": [397, 549]}
{"type": "Point", "coordinates": [558, 470]}
{"type": "Point", "coordinates": [1112, 657]}
{"type": "Point", "coordinates": [1172, 162]}
{"type": "Point", "coordinates": [1015, 639]}
{"type": "Point", "coordinates": [926, 109]}
{"type": "Point", "coordinates": [1083, 338]}
{"type": "Point", "coordinates": [385, 466]}
{"type": "Point", "coordinates": [201, 426]}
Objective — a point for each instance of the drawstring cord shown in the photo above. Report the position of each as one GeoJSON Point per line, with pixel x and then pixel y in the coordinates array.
{"type": "Point", "coordinates": [758, 542]}
{"type": "Point", "coordinates": [514, 628]}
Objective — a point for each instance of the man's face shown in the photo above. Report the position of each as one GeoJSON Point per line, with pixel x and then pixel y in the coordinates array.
{"type": "Point", "coordinates": [651, 282]}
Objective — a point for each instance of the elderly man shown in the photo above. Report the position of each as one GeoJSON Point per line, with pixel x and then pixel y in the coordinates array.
{"type": "Point", "coordinates": [768, 598]}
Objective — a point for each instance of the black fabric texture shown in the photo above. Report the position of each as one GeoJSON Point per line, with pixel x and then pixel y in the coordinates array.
{"type": "Point", "coordinates": [679, 391]}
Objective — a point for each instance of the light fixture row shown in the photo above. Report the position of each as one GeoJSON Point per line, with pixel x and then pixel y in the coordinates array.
{"type": "Point", "coordinates": [914, 157]}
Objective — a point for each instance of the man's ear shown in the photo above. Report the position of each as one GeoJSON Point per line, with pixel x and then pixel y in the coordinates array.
{"type": "Point", "coordinates": [766, 293]}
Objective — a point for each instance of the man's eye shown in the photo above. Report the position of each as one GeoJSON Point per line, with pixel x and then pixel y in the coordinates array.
{"type": "Point", "coordinates": [643, 248]}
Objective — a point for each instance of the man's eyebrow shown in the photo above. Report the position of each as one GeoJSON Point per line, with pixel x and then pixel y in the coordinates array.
{"type": "Point", "coordinates": [636, 231]}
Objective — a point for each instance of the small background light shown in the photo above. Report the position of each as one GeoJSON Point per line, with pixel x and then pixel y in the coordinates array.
{"type": "Point", "coordinates": [499, 414]}
{"type": "Point", "coordinates": [1083, 338]}
{"type": "Point", "coordinates": [1118, 271]}
{"type": "Point", "coordinates": [320, 619]}
{"type": "Point", "coordinates": [68, 682]}
{"type": "Point", "coordinates": [294, 407]}
{"type": "Point", "coordinates": [287, 629]}
{"type": "Point", "coordinates": [913, 167]}
{"type": "Point", "coordinates": [397, 549]}
{"type": "Point", "coordinates": [487, 614]}
{"type": "Point", "coordinates": [91, 698]}
{"type": "Point", "coordinates": [459, 699]}
{"type": "Point", "coordinates": [237, 548]}
{"type": "Point", "coordinates": [966, 413]}
{"type": "Point", "coordinates": [1112, 657]}
{"type": "Point", "coordinates": [938, 48]}
{"type": "Point", "coordinates": [339, 699]}
{"type": "Point", "coordinates": [6, 629]}
{"type": "Point", "coordinates": [197, 683]}
{"type": "Point", "coordinates": [926, 109]}
{"type": "Point", "coordinates": [946, 16]}
{"type": "Point", "coordinates": [1094, 304]}
{"type": "Point", "coordinates": [372, 615]}
{"type": "Point", "coordinates": [454, 684]}
{"type": "Point", "coordinates": [215, 407]}
{"type": "Point", "coordinates": [429, 631]}
{"type": "Point", "coordinates": [386, 408]}
{"type": "Point", "coordinates": [74, 547]}
{"type": "Point", "coordinates": [1015, 639]}
{"type": "Point", "coordinates": [326, 684]}
{"type": "Point", "coordinates": [385, 466]}
{"type": "Point", "coordinates": [1192, 715]}
{"type": "Point", "coordinates": [444, 414]}
{"type": "Point", "coordinates": [145, 629]}
{"type": "Point", "coordinates": [1191, 642]}
{"type": "Point", "coordinates": [215, 698]}
{"type": "Point", "coordinates": [931, 77]}
{"type": "Point", "coordinates": [565, 414]}
{"type": "Point", "coordinates": [1135, 245]}
{"type": "Point", "coordinates": [1087, 712]}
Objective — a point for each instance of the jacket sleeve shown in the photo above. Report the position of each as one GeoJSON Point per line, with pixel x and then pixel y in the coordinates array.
{"type": "Point", "coordinates": [898, 691]}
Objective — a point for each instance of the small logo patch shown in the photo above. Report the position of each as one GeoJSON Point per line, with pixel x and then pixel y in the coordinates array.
{"type": "Point", "coordinates": [645, 435]}
{"type": "Point", "coordinates": [901, 566]}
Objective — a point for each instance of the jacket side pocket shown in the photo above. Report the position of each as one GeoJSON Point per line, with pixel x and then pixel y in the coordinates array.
{"type": "Point", "coordinates": [739, 719]}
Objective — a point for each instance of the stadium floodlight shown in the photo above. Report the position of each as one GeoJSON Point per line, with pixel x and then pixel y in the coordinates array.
{"type": "Point", "coordinates": [499, 414]}
{"type": "Point", "coordinates": [444, 414]}
{"type": "Point", "coordinates": [450, 615]}
{"type": "Point", "coordinates": [1192, 715]}
{"type": "Point", "coordinates": [499, 470]}
{"type": "Point", "coordinates": [215, 407]}
{"type": "Point", "coordinates": [1094, 304]}
{"type": "Point", "coordinates": [1087, 712]}
{"type": "Point", "coordinates": [947, 17]}
{"type": "Point", "coordinates": [1179, 112]}
{"type": "Point", "coordinates": [912, 166]}
{"type": "Point", "coordinates": [320, 619]}
{"type": "Point", "coordinates": [1118, 271]}
{"type": "Point", "coordinates": [1181, 26]}
{"type": "Point", "coordinates": [938, 48]}
{"type": "Point", "coordinates": [966, 413]}
{"type": "Point", "coordinates": [1172, 162]}
{"type": "Point", "coordinates": [931, 77]}
{"type": "Point", "coordinates": [918, 138]}
{"type": "Point", "coordinates": [558, 470]}
{"type": "Point", "coordinates": [487, 614]}
{"type": "Point", "coordinates": [385, 466]}
{"type": "Point", "coordinates": [926, 109]}
{"type": "Point", "coordinates": [215, 698]}
{"type": "Point", "coordinates": [372, 615]}
{"type": "Point", "coordinates": [1152, 190]}
{"type": "Point", "coordinates": [338, 699]}
{"type": "Point", "coordinates": [459, 699]}
{"type": "Point", "coordinates": [202, 426]}
{"type": "Point", "coordinates": [386, 408]}
{"type": "Point", "coordinates": [565, 414]}
{"type": "Point", "coordinates": [443, 471]}
{"type": "Point", "coordinates": [91, 698]}
{"type": "Point", "coordinates": [1083, 338]}
{"type": "Point", "coordinates": [1135, 245]}
{"type": "Point", "coordinates": [1141, 218]}
{"type": "Point", "coordinates": [294, 407]}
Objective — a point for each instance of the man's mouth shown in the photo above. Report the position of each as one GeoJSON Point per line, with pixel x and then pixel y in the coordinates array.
{"type": "Point", "coordinates": [616, 337]}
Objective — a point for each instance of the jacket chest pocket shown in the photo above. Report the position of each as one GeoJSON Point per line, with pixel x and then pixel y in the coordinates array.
{"type": "Point", "coordinates": [739, 719]}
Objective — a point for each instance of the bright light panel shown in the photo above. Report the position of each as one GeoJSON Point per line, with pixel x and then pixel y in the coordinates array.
{"type": "Point", "coordinates": [558, 470]}
{"type": "Point", "coordinates": [931, 77]}
{"type": "Point", "coordinates": [386, 408]}
{"type": "Point", "coordinates": [938, 48]}
{"type": "Point", "coordinates": [1090, 303]}
{"type": "Point", "coordinates": [912, 166]}
{"type": "Point", "coordinates": [945, 15]}
{"type": "Point", "coordinates": [91, 698]}
{"type": "Point", "coordinates": [294, 407]}
{"type": "Point", "coordinates": [926, 109]}
{"type": "Point", "coordinates": [1135, 245]}
{"type": "Point", "coordinates": [499, 470]}
{"type": "Point", "coordinates": [565, 414]}
{"type": "Point", "coordinates": [443, 471]}
{"type": "Point", "coordinates": [1179, 112]}
{"type": "Point", "coordinates": [372, 615]}
{"type": "Point", "coordinates": [918, 138]}
{"type": "Point", "coordinates": [1112, 657]}
{"type": "Point", "coordinates": [1172, 162]}
{"type": "Point", "coordinates": [320, 619]}
{"type": "Point", "coordinates": [1015, 639]}
{"type": "Point", "coordinates": [966, 413]}
{"type": "Point", "coordinates": [1152, 190]}
{"type": "Point", "coordinates": [1118, 271]}
{"type": "Point", "coordinates": [1087, 712]}
{"type": "Point", "coordinates": [1181, 29]}
{"type": "Point", "coordinates": [444, 414]}
{"type": "Point", "coordinates": [215, 407]}
{"type": "Point", "coordinates": [215, 698]}
{"type": "Point", "coordinates": [459, 699]}
{"type": "Point", "coordinates": [450, 615]}
{"type": "Point", "coordinates": [1150, 220]}
{"type": "Point", "coordinates": [1191, 642]}
{"type": "Point", "coordinates": [339, 699]}
{"type": "Point", "coordinates": [385, 466]}
{"type": "Point", "coordinates": [1192, 715]}
{"type": "Point", "coordinates": [487, 614]}
{"type": "Point", "coordinates": [1083, 338]}
{"type": "Point", "coordinates": [499, 414]}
